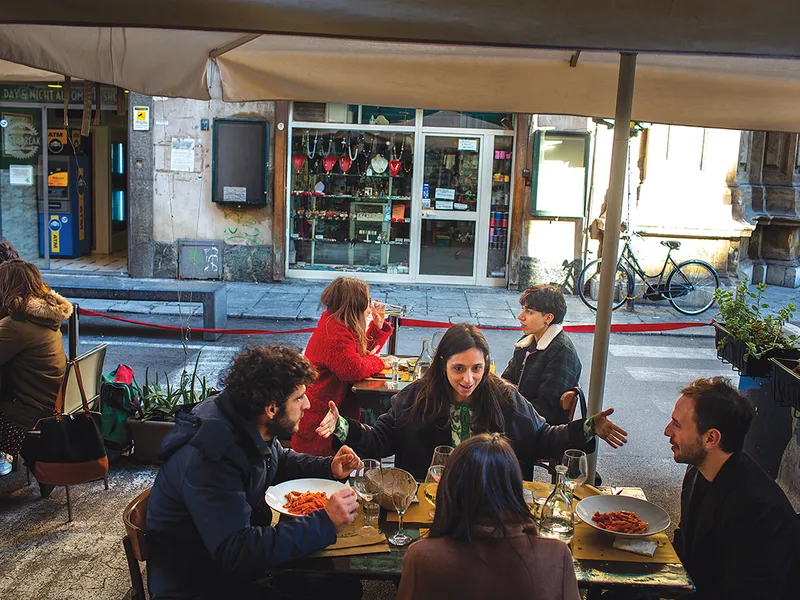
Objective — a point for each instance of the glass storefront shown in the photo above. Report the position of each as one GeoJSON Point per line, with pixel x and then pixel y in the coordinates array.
{"type": "Point", "coordinates": [399, 194]}
{"type": "Point", "coordinates": [350, 200]}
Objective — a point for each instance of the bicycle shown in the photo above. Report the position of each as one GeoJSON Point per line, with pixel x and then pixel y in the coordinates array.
{"type": "Point", "coordinates": [689, 286]}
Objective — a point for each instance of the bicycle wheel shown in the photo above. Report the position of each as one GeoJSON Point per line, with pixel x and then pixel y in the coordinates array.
{"type": "Point", "coordinates": [691, 287]}
{"type": "Point", "coordinates": [588, 285]}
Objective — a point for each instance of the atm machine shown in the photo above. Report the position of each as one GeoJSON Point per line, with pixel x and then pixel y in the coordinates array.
{"type": "Point", "coordinates": [70, 206]}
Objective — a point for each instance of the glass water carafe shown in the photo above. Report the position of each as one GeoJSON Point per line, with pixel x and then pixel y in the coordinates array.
{"type": "Point", "coordinates": [558, 519]}
{"type": "Point", "coordinates": [424, 361]}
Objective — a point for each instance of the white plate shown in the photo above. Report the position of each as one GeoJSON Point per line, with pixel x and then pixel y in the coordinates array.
{"type": "Point", "coordinates": [276, 494]}
{"type": "Point", "coordinates": [656, 518]}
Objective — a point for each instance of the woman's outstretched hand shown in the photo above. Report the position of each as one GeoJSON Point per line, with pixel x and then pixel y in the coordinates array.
{"type": "Point", "coordinates": [606, 429]}
{"type": "Point", "coordinates": [328, 424]}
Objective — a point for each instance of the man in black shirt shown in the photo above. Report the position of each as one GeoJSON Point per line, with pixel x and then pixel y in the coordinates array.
{"type": "Point", "coordinates": [738, 537]}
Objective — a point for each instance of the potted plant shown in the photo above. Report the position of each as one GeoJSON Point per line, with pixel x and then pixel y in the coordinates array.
{"type": "Point", "coordinates": [748, 335]}
{"type": "Point", "coordinates": [158, 405]}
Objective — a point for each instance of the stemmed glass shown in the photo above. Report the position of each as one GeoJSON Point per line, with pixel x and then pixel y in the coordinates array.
{"type": "Point", "coordinates": [437, 337]}
{"type": "Point", "coordinates": [400, 486]}
{"type": "Point", "coordinates": [368, 483]}
{"type": "Point", "coordinates": [440, 455]}
{"type": "Point", "coordinates": [432, 485]}
{"type": "Point", "coordinates": [577, 469]}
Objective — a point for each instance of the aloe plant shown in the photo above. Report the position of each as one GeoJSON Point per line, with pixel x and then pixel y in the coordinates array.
{"type": "Point", "coordinates": [158, 402]}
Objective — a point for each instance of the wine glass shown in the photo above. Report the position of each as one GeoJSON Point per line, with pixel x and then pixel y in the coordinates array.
{"type": "Point", "coordinates": [577, 469]}
{"type": "Point", "coordinates": [400, 486]}
{"type": "Point", "coordinates": [432, 485]}
{"type": "Point", "coordinates": [440, 455]}
{"type": "Point", "coordinates": [367, 481]}
{"type": "Point", "coordinates": [437, 337]}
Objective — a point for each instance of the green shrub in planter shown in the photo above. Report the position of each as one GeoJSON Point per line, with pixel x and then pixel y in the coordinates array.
{"type": "Point", "coordinates": [157, 405]}
{"type": "Point", "coordinates": [748, 334]}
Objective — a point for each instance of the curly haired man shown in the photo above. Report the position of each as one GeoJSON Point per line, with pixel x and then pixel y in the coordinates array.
{"type": "Point", "coordinates": [209, 530]}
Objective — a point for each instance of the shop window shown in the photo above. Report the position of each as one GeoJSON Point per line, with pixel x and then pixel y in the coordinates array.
{"type": "Point", "coordinates": [467, 120]}
{"type": "Point", "coordinates": [239, 164]}
{"type": "Point", "coordinates": [358, 114]}
{"type": "Point", "coordinates": [350, 200]}
{"type": "Point", "coordinates": [559, 187]}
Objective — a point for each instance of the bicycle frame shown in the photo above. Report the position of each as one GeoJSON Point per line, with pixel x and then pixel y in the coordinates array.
{"type": "Point", "coordinates": [628, 259]}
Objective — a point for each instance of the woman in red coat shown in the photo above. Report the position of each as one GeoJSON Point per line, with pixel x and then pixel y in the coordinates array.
{"type": "Point", "coordinates": [343, 350]}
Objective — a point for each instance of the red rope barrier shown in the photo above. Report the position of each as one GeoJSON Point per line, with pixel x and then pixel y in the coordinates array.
{"type": "Point", "coordinates": [615, 328]}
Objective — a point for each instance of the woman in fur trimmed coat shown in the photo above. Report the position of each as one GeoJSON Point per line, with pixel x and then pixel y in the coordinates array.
{"type": "Point", "coordinates": [32, 359]}
{"type": "Point", "coordinates": [343, 350]}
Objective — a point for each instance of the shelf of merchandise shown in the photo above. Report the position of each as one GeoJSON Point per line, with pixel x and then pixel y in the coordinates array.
{"type": "Point", "coordinates": [354, 201]}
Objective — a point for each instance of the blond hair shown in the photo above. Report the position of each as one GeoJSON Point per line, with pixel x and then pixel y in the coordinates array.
{"type": "Point", "coordinates": [347, 299]}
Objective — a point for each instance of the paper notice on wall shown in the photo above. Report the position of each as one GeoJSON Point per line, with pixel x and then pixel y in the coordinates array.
{"type": "Point", "coordinates": [20, 175]}
{"type": "Point", "coordinates": [182, 157]}
{"type": "Point", "coordinates": [234, 194]}
{"type": "Point", "coordinates": [445, 194]}
{"type": "Point", "coordinates": [468, 145]}
{"type": "Point", "coordinates": [444, 205]}
{"type": "Point", "coordinates": [459, 206]}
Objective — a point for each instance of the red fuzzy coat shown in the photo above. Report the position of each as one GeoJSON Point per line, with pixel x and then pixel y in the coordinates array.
{"type": "Point", "coordinates": [333, 350]}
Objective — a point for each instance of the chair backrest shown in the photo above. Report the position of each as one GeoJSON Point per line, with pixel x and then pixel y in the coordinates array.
{"type": "Point", "coordinates": [569, 402]}
{"type": "Point", "coordinates": [91, 365]}
{"type": "Point", "coordinates": [135, 518]}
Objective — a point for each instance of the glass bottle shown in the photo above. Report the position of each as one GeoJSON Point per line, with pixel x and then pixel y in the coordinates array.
{"type": "Point", "coordinates": [558, 518]}
{"type": "Point", "coordinates": [424, 361]}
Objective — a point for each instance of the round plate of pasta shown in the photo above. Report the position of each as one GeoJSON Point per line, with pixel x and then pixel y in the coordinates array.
{"type": "Point", "coordinates": [622, 515]}
{"type": "Point", "coordinates": [301, 497]}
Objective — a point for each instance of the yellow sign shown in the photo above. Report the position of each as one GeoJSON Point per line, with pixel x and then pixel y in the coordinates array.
{"type": "Point", "coordinates": [58, 179]}
{"type": "Point", "coordinates": [55, 240]}
{"type": "Point", "coordinates": [81, 209]}
{"type": "Point", "coordinates": [141, 118]}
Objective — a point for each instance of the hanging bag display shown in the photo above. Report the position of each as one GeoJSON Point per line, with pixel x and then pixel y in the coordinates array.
{"type": "Point", "coordinates": [67, 449]}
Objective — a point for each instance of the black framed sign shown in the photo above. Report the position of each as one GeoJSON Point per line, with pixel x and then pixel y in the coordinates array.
{"type": "Point", "coordinates": [239, 161]}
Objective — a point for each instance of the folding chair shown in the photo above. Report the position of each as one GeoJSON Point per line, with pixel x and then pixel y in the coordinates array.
{"type": "Point", "coordinates": [135, 541]}
{"type": "Point", "coordinates": [569, 401]}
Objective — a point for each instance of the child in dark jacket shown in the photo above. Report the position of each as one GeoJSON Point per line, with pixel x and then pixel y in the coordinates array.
{"type": "Point", "coordinates": [545, 363]}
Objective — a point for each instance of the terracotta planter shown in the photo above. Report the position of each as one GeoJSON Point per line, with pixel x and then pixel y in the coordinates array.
{"type": "Point", "coordinates": [733, 352]}
{"type": "Point", "coordinates": [147, 437]}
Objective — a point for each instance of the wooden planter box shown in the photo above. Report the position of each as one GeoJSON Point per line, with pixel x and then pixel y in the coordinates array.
{"type": "Point", "coordinates": [147, 437]}
{"type": "Point", "coordinates": [733, 352]}
{"type": "Point", "coordinates": [786, 382]}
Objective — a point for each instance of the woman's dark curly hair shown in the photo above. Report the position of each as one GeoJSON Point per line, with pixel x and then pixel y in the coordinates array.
{"type": "Point", "coordinates": [262, 375]}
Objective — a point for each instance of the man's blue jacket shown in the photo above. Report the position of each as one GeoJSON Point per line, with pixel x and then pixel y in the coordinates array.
{"type": "Point", "coordinates": [208, 526]}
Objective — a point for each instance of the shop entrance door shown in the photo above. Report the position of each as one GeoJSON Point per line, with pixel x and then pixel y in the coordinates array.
{"type": "Point", "coordinates": [449, 208]}
{"type": "Point", "coordinates": [461, 218]}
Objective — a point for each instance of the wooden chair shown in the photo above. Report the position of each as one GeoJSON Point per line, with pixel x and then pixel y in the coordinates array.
{"type": "Point", "coordinates": [91, 366]}
{"type": "Point", "coordinates": [135, 541]}
{"type": "Point", "coordinates": [569, 402]}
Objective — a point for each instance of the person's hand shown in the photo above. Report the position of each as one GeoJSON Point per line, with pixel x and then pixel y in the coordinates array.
{"type": "Point", "coordinates": [328, 425]}
{"type": "Point", "coordinates": [344, 463]}
{"type": "Point", "coordinates": [342, 508]}
{"type": "Point", "coordinates": [378, 313]}
{"type": "Point", "coordinates": [606, 429]}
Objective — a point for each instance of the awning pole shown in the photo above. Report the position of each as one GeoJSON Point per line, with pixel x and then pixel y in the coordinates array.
{"type": "Point", "coordinates": [619, 161]}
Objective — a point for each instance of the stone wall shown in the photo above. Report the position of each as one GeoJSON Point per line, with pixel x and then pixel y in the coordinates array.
{"type": "Point", "coordinates": [182, 206]}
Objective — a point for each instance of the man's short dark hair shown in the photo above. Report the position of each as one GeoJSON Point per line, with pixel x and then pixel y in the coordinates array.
{"type": "Point", "coordinates": [262, 375]}
{"type": "Point", "coordinates": [718, 405]}
{"type": "Point", "coordinates": [545, 299]}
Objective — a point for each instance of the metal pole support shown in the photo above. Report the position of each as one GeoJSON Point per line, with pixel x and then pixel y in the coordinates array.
{"type": "Point", "coordinates": [74, 332]}
{"type": "Point", "coordinates": [395, 322]}
{"type": "Point", "coordinates": [619, 162]}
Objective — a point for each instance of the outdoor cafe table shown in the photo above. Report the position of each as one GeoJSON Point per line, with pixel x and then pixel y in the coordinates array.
{"type": "Point", "coordinates": [375, 393]}
{"type": "Point", "coordinates": [593, 575]}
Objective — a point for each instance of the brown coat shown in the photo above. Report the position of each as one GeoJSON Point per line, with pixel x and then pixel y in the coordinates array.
{"type": "Point", "coordinates": [32, 360]}
{"type": "Point", "coordinates": [522, 566]}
